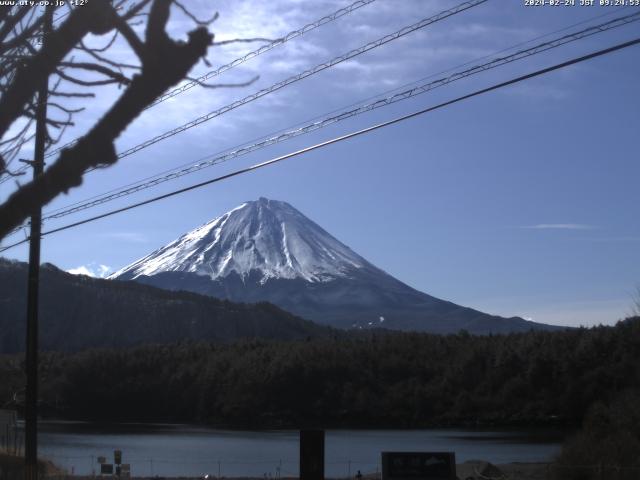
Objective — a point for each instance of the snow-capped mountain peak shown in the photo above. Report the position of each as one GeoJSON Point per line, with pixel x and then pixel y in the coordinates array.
{"type": "Point", "coordinates": [266, 236]}
{"type": "Point", "coordinates": [267, 250]}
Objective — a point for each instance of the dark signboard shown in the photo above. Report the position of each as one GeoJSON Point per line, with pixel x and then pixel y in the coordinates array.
{"type": "Point", "coordinates": [106, 469]}
{"type": "Point", "coordinates": [311, 454]}
{"type": "Point", "coordinates": [418, 466]}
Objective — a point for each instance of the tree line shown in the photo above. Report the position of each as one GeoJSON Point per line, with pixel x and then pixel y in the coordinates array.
{"type": "Point", "coordinates": [363, 379]}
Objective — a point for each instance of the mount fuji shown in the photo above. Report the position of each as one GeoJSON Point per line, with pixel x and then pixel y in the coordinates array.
{"type": "Point", "coordinates": [266, 250]}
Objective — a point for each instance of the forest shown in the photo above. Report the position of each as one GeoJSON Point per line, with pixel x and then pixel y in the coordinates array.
{"type": "Point", "coordinates": [363, 379]}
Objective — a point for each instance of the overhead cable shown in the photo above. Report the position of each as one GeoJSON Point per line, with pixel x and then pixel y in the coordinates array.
{"type": "Point", "coordinates": [295, 78]}
{"type": "Point", "coordinates": [248, 56]}
{"type": "Point", "coordinates": [341, 138]}
{"type": "Point", "coordinates": [388, 92]}
{"type": "Point", "coordinates": [343, 115]}
{"type": "Point", "coordinates": [264, 48]}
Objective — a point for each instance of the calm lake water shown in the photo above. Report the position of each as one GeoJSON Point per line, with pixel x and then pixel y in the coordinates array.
{"type": "Point", "coordinates": [184, 450]}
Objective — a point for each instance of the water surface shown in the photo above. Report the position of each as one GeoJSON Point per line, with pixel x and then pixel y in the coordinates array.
{"type": "Point", "coordinates": [185, 450]}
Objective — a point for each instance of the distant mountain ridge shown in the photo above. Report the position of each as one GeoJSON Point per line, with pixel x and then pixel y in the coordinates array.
{"type": "Point", "coordinates": [266, 250]}
{"type": "Point", "coordinates": [79, 312]}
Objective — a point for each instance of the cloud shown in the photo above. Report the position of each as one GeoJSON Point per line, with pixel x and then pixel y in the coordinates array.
{"type": "Point", "coordinates": [132, 237]}
{"type": "Point", "coordinates": [92, 269]}
{"type": "Point", "coordinates": [559, 226]}
{"type": "Point", "coordinates": [536, 92]}
{"type": "Point", "coordinates": [482, 30]}
{"type": "Point", "coordinates": [621, 238]}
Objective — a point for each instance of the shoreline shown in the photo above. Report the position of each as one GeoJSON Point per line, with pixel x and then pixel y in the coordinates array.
{"type": "Point", "coordinates": [11, 466]}
{"type": "Point", "coordinates": [464, 471]}
{"type": "Point", "coordinates": [151, 425]}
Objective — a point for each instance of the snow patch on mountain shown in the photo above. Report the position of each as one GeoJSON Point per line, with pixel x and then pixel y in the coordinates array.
{"type": "Point", "coordinates": [267, 236]}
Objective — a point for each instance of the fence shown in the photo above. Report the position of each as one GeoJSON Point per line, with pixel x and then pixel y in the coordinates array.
{"type": "Point", "coordinates": [86, 467]}
{"type": "Point", "coordinates": [268, 469]}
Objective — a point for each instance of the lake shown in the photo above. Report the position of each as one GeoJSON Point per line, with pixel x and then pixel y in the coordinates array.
{"type": "Point", "coordinates": [185, 450]}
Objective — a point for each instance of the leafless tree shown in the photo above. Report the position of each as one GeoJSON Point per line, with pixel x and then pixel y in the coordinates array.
{"type": "Point", "coordinates": [26, 62]}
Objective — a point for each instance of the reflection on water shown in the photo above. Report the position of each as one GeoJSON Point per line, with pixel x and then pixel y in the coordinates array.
{"type": "Point", "coordinates": [186, 450]}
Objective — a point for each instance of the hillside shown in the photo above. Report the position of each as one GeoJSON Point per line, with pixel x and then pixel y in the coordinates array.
{"type": "Point", "coordinates": [78, 312]}
{"type": "Point", "coordinates": [360, 379]}
{"type": "Point", "coordinates": [266, 250]}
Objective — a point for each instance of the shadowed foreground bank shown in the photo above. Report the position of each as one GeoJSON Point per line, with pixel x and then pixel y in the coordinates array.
{"type": "Point", "coordinates": [11, 468]}
{"type": "Point", "coordinates": [476, 470]}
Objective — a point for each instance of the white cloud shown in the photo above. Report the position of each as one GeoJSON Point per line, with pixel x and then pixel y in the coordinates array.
{"type": "Point", "coordinates": [559, 226]}
{"type": "Point", "coordinates": [132, 237]}
{"type": "Point", "coordinates": [92, 269]}
{"type": "Point", "coordinates": [620, 238]}
{"type": "Point", "coordinates": [536, 92]}
{"type": "Point", "coordinates": [484, 29]}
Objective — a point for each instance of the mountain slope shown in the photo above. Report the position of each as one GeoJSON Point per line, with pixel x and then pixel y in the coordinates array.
{"type": "Point", "coordinates": [78, 312]}
{"type": "Point", "coordinates": [266, 236]}
{"type": "Point", "coordinates": [266, 250]}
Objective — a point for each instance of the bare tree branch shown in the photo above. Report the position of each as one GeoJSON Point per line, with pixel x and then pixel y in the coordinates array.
{"type": "Point", "coordinates": [85, 83]}
{"type": "Point", "coordinates": [12, 21]}
{"type": "Point", "coordinates": [130, 36]}
{"type": "Point", "coordinates": [65, 109]}
{"type": "Point", "coordinates": [203, 23]}
{"type": "Point", "coordinates": [133, 11]}
{"type": "Point", "coordinates": [106, 47]}
{"type": "Point", "coordinates": [14, 174]}
{"type": "Point", "coordinates": [164, 63]}
{"type": "Point", "coordinates": [22, 37]}
{"type": "Point", "coordinates": [18, 135]}
{"type": "Point", "coordinates": [94, 67]}
{"type": "Point", "coordinates": [244, 40]}
{"type": "Point", "coordinates": [94, 53]}
{"type": "Point", "coordinates": [223, 85]}
{"type": "Point", "coordinates": [90, 18]}
{"type": "Point", "coordinates": [71, 94]}
{"type": "Point", "coordinates": [50, 121]}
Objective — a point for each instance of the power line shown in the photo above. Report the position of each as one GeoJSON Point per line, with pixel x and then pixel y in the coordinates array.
{"type": "Point", "coordinates": [342, 138]}
{"type": "Point", "coordinates": [265, 48]}
{"type": "Point", "coordinates": [208, 157]}
{"type": "Point", "coordinates": [343, 115]}
{"type": "Point", "coordinates": [248, 56]}
{"type": "Point", "coordinates": [307, 73]}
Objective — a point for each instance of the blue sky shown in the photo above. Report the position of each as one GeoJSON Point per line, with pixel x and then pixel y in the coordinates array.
{"type": "Point", "coordinates": [519, 202]}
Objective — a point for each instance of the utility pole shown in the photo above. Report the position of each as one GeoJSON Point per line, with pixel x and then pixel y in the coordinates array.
{"type": "Point", "coordinates": [31, 402]}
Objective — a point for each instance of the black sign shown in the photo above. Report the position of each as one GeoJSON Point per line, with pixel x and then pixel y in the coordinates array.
{"type": "Point", "coordinates": [418, 466]}
{"type": "Point", "coordinates": [106, 469]}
